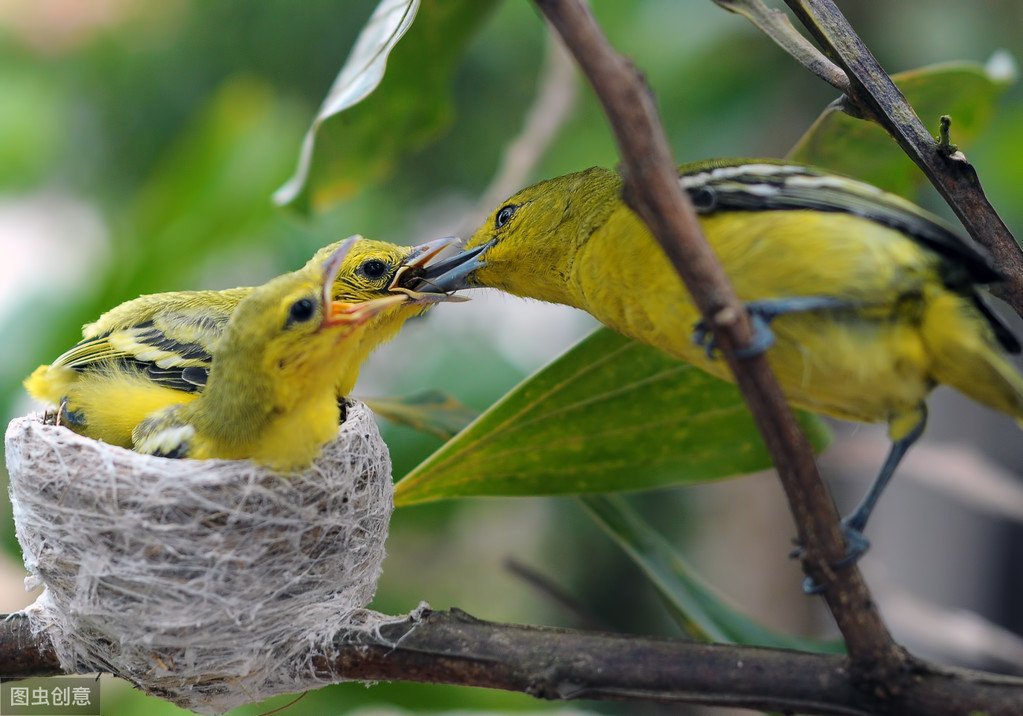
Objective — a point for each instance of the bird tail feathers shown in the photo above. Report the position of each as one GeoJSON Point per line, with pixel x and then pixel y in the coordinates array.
{"type": "Point", "coordinates": [966, 355]}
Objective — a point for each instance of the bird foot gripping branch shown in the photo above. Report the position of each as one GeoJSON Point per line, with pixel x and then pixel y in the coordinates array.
{"type": "Point", "coordinates": [761, 314]}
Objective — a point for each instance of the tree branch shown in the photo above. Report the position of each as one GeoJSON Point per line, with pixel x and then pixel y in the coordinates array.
{"type": "Point", "coordinates": [22, 653]}
{"type": "Point", "coordinates": [652, 189]}
{"type": "Point", "coordinates": [456, 649]}
{"type": "Point", "coordinates": [952, 175]}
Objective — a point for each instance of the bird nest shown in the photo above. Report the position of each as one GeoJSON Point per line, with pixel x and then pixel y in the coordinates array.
{"type": "Point", "coordinates": [210, 583]}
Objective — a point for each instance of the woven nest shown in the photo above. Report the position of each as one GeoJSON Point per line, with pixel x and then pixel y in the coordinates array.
{"type": "Point", "coordinates": [210, 583]}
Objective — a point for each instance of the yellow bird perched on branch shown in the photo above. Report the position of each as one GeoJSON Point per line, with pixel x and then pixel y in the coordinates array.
{"type": "Point", "coordinates": [871, 301]}
{"type": "Point", "coordinates": [155, 351]}
{"type": "Point", "coordinates": [271, 394]}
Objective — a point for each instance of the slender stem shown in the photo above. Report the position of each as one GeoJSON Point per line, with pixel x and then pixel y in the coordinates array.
{"type": "Point", "coordinates": [652, 190]}
{"type": "Point", "coordinates": [949, 171]}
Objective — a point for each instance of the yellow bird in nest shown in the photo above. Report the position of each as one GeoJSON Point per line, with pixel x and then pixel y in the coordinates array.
{"type": "Point", "coordinates": [271, 391]}
{"type": "Point", "coordinates": [155, 351]}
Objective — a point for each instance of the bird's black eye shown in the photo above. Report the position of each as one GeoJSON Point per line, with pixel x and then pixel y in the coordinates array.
{"type": "Point", "coordinates": [374, 268]}
{"type": "Point", "coordinates": [301, 310]}
{"type": "Point", "coordinates": [504, 215]}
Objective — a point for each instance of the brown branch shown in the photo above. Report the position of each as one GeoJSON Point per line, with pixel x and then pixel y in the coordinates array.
{"type": "Point", "coordinates": [652, 189]}
{"type": "Point", "coordinates": [952, 175]}
{"type": "Point", "coordinates": [456, 649]}
{"type": "Point", "coordinates": [23, 654]}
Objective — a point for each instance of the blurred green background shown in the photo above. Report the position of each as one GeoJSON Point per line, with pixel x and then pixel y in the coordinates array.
{"type": "Point", "coordinates": [140, 143]}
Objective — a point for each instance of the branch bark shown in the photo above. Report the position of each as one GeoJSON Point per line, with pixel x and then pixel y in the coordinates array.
{"type": "Point", "coordinates": [22, 653]}
{"type": "Point", "coordinates": [652, 190]}
{"type": "Point", "coordinates": [872, 90]}
{"type": "Point", "coordinates": [454, 648]}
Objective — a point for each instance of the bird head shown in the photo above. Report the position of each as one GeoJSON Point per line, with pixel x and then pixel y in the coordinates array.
{"type": "Point", "coordinates": [293, 324]}
{"type": "Point", "coordinates": [371, 271]}
{"type": "Point", "coordinates": [277, 366]}
{"type": "Point", "coordinates": [527, 245]}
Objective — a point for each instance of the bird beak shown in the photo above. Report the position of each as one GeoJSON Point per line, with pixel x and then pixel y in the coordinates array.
{"type": "Point", "coordinates": [424, 253]}
{"type": "Point", "coordinates": [451, 274]}
{"type": "Point", "coordinates": [417, 265]}
{"type": "Point", "coordinates": [355, 314]}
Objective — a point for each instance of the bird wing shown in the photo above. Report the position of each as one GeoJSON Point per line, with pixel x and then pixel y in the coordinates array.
{"type": "Point", "coordinates": [766, 185]}
{"type": "Point", "coordinates": [164, 434]}
{"type": "Point", "coordinates": [168, 337]}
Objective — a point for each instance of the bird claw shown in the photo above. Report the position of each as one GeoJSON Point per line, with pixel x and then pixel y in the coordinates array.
{"type": "Point", "coordinates": [67, 417]}
{"type": "Point", "coordinates": [703, 337]}
{"type": "Point", "coordinates": [763, 336]}
{"type": "Point", "coordinates": [856, 547]}
{"type": "Point", "coordinates": [812, 588]}
{"type": "Point", "coordinates": [761, 313]}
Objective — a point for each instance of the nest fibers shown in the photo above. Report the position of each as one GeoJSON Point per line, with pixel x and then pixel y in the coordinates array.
{"type": "Point", "coordinates": [210, 583]}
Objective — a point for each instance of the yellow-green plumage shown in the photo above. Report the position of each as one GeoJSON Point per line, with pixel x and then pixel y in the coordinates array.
{"type": "Point", "coordinates": [270, 396]}
{"type": "Point", "coordinates": [895, 307]}
{"type": "Point", "coordinates": [155, 351]}
{"type": "Point", "coordinates": [573, 241]}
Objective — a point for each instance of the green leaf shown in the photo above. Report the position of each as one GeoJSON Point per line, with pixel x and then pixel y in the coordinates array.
{"type": "Point", "coordinates": [699, 609]}
{"type": "Point", "coordinates": [370, 119]}
{"type": "Point", "coordinates": [966, 91]}
{"type": "Point", "coordinates": [430, 411]}
{"type": "Point", "coordinates": [610, 414]}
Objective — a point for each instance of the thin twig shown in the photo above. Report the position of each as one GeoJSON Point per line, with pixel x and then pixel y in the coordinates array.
{"type": "Point", "coordinates": [652, 189]}
{"type": "Point", "coordinates": [555, 593]}
{"type": "Point", "coordinates": [950, 173]}
{"type": "Point", "coordinates": [963, 635]}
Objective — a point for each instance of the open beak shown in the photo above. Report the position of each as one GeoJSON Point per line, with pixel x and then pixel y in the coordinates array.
{"type": "Point", "coordinates": [355, 314]}
{"type": "Point", "coordinates": [424, 253]}
{"type": "Point", "coordinates": [408, 279]}
{"type": "Point", "coordinates": [451, 274]}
